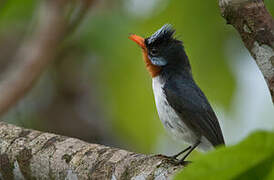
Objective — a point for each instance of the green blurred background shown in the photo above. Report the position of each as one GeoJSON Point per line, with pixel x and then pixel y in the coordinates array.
{"type": "Point", "coordinates": [97, 88]}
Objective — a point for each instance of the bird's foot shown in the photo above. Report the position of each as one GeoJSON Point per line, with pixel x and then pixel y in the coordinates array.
{"type": "Point", "coordinates": [164, 156]}
{"type": "Point", "coordinates": [174, 160]}
{"type": "Point", "coordinates": [168, 158]}
{"type": "Point", "coordinates": [181, 163]}
{"type": "Point", "coordinates": [178, 154]}
{"type": "Point", "coordinates": [174, 157]}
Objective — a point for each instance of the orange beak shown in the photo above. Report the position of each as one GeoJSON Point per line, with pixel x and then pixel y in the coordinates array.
{"type": "Point", "coordinates": [139, 40]}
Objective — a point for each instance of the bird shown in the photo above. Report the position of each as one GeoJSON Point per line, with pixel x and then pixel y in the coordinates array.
{"type": "Point", "coordinates": [182, 107]}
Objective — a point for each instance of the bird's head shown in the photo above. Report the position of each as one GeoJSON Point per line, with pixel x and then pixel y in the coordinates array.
{"type": "Point", "coordinates": [161, 50]}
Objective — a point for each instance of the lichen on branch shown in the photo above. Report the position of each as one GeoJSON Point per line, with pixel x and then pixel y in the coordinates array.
{"type": "Point", "coordinates": [32, 154]}
{"type": "Point", "coordinates": [256, 28]}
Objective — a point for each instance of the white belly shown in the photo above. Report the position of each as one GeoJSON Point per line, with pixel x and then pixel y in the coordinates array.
{"type": "Point", "coordinates": [171, 121]}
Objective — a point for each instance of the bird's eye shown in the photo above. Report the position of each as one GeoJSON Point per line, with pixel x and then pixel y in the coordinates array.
{"type": "Point", "coordinates": [154, 52]}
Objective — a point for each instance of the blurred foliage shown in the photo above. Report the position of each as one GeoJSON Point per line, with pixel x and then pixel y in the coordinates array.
{"type": "Point", "coordinates": [16, 13]}
{"type": "Point", "coordinates": [251, 159]}
{"type": "Point", "coordinates": [121, 83]}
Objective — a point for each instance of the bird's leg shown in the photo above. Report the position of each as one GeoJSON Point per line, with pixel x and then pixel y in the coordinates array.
{"type": "Point", "coordinates": [181, 161]}
{"type": "Point", "coordinates": [181, 152]}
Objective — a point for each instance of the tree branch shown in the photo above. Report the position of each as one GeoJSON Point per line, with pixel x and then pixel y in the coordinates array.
{"type": "Point", "coordinates": [33, 56]}
{"type": "Point", "coordinates": [37, 52]}
{"type": "Point", "coordinates": [29, 154]}
{"type": "Point", "coordinates": [256, 27]}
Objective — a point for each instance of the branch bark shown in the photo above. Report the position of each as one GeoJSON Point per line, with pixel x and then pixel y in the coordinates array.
{"type": "Point", "coordinates": [256, 28]}
{"type": "Point", "coordinates": [29, 154]}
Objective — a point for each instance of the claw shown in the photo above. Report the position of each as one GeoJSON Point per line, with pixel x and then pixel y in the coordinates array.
{"type": "Point", "coordinates": [182, 163]}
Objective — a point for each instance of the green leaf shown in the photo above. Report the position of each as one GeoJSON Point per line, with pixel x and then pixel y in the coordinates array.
{"type": "Point", "coordinates": [251, 159]}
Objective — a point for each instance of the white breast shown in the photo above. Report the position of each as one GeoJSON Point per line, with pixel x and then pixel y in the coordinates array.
{"type": "Point", "coordinates": [171, 121]}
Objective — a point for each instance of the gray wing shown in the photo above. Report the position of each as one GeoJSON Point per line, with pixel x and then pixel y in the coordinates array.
{"type": "Point", "coordinates": [192, 107]}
